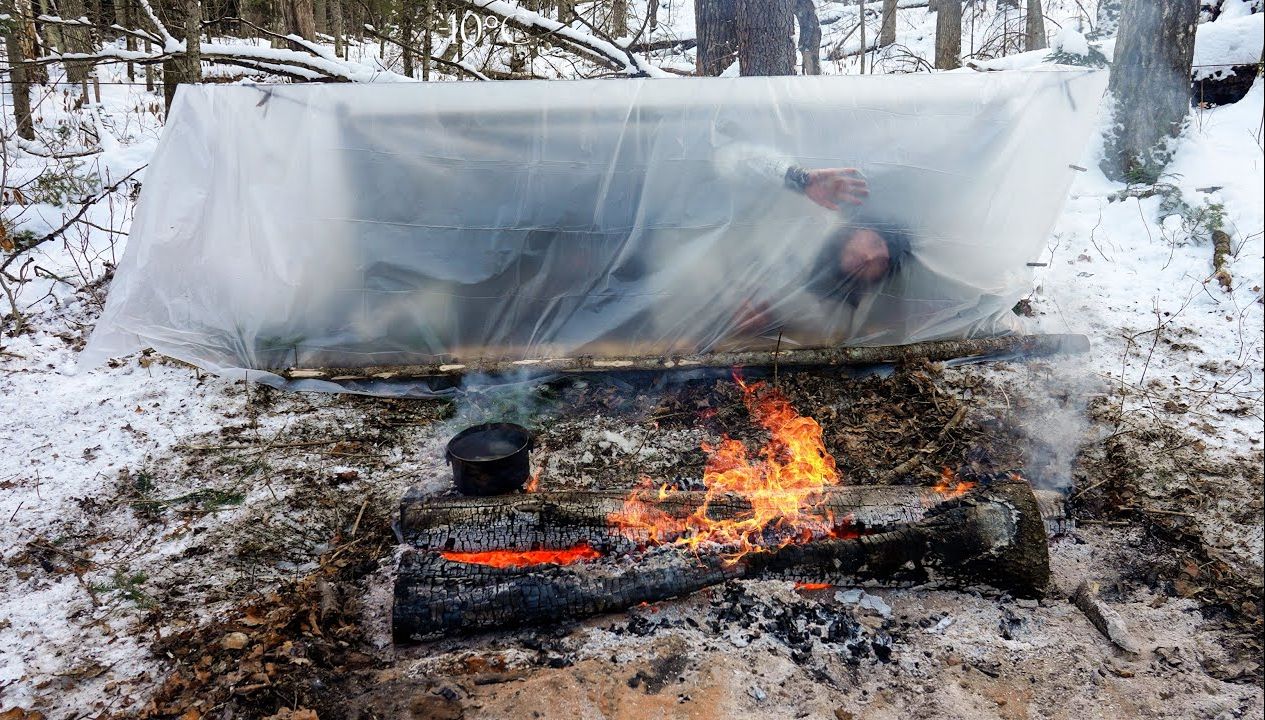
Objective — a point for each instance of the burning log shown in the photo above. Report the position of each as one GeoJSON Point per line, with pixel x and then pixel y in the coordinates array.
{"type": "Point", "coordinates": [559, 520]}
{"type": "Point", "coordinates": [932, 351]}
{"type": "Point", "coordinates": [993, 535]}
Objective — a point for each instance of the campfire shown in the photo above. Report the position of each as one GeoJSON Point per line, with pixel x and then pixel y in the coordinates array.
{"type": "Point", "coordinates": [781, 511]}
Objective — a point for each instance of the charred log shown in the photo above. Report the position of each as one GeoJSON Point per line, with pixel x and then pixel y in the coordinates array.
{"type": "Point", "coordinates": [561, 520]}
{"type": "Point", "coordinates": [993, 536]}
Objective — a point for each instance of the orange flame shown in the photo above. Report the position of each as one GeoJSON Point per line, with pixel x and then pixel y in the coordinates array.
{"type": "Point", "coordinates": [783, 484]}
{"type": "Point", "coordinates": [523, 558]}
{"type": "Point", "coordinates": [811, 586]}
{"type": "Point", "coordinates": [950, 486]}
{"type": "Point", "coordinates": [533, 484]}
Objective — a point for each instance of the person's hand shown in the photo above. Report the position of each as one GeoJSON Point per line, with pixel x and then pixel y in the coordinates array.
{"type": "Point", "coordinates": [832, 186]}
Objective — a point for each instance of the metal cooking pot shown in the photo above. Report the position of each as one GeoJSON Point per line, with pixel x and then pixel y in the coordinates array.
{"type": "Point", "coordinates": [490, 459]}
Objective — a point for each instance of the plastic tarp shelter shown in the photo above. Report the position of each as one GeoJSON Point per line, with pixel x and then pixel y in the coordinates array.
{"type": "Point", "coordinates": [346, 226]}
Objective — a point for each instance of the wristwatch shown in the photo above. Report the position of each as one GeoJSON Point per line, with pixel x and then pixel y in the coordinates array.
{"type": "Point", "coordinates": [796, 178]}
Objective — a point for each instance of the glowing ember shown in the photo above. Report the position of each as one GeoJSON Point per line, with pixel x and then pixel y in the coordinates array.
{"type": "Point", "coordinates": [523, 558]}
{"type": "Point", "coordinates": [950, 486]}
{"type": "Point", "coordinates": [783, 484]}
{"type": "Point", "coordinates": [811, 586]}
{"type": "Point", "coordinates": [533, 484]}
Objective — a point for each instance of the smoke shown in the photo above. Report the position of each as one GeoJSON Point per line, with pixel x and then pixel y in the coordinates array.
{"type": "Point", "coordinates": [1053, 416]}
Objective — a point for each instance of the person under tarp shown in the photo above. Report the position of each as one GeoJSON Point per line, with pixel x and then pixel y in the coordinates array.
{"type": "Point", "coordinates": [366, 226]}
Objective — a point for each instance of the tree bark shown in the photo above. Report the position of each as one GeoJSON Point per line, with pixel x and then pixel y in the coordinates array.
{"type": "Point", "coordinates": [948, 34]}
{"type": "Point", "coordinates": [764, 31]}
{"type": "Point", "coordinates": [406, 39]}
{"type": "Point", "coordinates": [28, 39]}
{"type": "Point", "coordinates": [1034, 35]}
{"type": "Point", "coordinates": [428, 27]}
{"type": "Point", "coordinates": [992, 536]}
{"type": "Point", "coordinates": [556, 520]}
{"type": "Point", "coordinates": [887, 35]}
{"type": "Point", "coordinates": [77, 40]}
{"type": "Point", "coordinates": [865, 48]}
{"type": "Point", "coordinates": [715, 25]}
{"type": "Point", "coordinates": [336, 27]}
{"type": "Point", "coordinates": [932, 351]}
{"type": "Point", "coordinates": [617, 26]}
{"type": "Point", "coordinates": [123, 15]}
{"type": "Point", "coordinates": [1150, 83]}
{"type": "Point", "coordinates": [193, 41]}
{"type": "Point", "coordinates": [809, 36]}
{"type": "Point", "coordinates": [19, 75]}
{"type": "Point", "coordinates": [300, 19]}
{"type": "Point", "coordinates": [320, 16]}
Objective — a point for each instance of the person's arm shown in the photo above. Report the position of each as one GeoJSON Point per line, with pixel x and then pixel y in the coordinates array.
{"type": "Point", "coordinates": [738, 161]}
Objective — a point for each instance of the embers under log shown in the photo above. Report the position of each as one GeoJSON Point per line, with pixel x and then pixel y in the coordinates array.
{"type": "Point", "coordinates": [993, 535]}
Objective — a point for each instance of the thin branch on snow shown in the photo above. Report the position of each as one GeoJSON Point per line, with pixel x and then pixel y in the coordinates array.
{"type": "Point", "coordinates": [83, 210]}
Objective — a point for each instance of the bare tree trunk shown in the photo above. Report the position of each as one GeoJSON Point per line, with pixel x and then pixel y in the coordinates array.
{"type": "Point", "coordinates": [406, 31]}
{"type": "Point", "coordinates": [320, 16]}
{"type": "Point", "coordinates": [617, 26]}
{"type": "Point", "coordinates": [28, 38]}
{"type": "Point", "coordinates": [1150, 82]}
{"type": "Point", "coordinates": [123, 15]}
{"type": "Point", "coordinates": [887, 36]}
{"type": "Point", "coordinates": [428, 25]}
{"type": "Point", "coordinates": [948, 34]}
{"type": "Point", "coordinates": [193, 41]}
{"type": "Point", "coordinates": [764, 30]}
{"type": "Point", "coordinates": [653, 11]}
{"type": "Point", "coordinates": [299, 19]}
{"type": "Point", "coordinates": [809, 36]}
{"type": "Point", "coordinates": [19, 75]}
{"type": "Point", "coordinates": [1035, 28]}
{"type": "Point", "coordinates": [53, 38]}
{"type": "Point", "coordinates": [336, 26]}
{"type": "Point", "coordinates": [861, 26]}
{"type": "Point", "coordinates": [715, 25]}
{"type": "Point", "coordinates": [77, 40]}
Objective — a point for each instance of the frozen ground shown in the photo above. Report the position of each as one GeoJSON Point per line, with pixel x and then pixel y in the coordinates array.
{"type": "Point", "coordinates": [146, 500]}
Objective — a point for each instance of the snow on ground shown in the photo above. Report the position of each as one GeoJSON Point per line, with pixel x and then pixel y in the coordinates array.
{"type": "Point", "coordinates": [1169, 343]}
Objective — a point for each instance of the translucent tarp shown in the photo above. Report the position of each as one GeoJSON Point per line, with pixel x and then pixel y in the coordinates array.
{"type": "Point", "coordinates": [376, 225]}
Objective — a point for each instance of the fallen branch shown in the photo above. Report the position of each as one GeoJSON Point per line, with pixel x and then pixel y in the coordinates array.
{"type": "Point", "coordinates": [1220, 257]}
{"type": "Point", "coordinates": [931, 351]}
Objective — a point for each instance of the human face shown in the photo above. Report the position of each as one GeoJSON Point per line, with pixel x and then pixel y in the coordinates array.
{"type": "Point", "coordinates": [864, 256]}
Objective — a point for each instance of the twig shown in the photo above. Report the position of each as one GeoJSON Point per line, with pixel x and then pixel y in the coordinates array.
{"type": "Point", "coordinates": [356, 525]}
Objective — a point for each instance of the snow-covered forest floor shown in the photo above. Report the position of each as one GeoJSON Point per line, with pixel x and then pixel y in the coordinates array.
{"type": "Point", "coordinates": [167, 536]}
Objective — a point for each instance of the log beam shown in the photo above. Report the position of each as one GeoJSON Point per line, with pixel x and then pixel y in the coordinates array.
{"type": "Point", "coordinates": [931, 351]}
{"type": "Point", "coordinates": [993, 536]}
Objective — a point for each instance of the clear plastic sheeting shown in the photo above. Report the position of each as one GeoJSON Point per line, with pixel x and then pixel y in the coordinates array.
{"type": "Point", "coordinates": [321, 226]}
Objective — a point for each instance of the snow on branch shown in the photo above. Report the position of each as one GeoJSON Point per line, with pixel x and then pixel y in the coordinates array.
{"type": "Point", "coordinates": [315, 65]}
{"type": "Point", "coordinates": [603, 51]}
